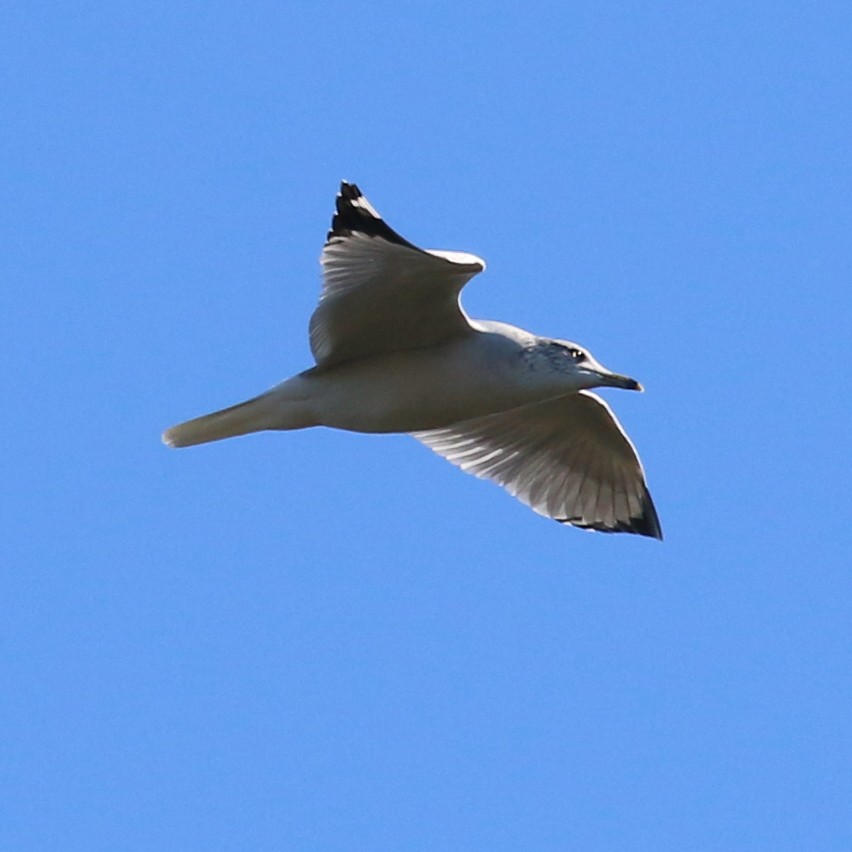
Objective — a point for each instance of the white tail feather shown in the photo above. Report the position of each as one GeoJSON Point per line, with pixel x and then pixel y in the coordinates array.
{"type": "Point", "coordinates": [286, 406]}
{"type": "Point", "coordinates": [253, 415]}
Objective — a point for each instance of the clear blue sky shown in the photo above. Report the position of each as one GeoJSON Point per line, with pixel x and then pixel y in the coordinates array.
{"type": "Point", "coordinates": [326, 641]}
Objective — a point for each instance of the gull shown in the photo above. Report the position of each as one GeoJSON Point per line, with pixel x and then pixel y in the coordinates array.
{"type": "Point", "coordinates": [396, 352]}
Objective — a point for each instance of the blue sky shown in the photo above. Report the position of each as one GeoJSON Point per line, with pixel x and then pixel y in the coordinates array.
{"type": "Point", "coordinates": [326, 641]}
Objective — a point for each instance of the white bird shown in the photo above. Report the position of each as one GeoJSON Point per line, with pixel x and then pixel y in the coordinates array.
{"type": "Point", "coordinates": [395, 352]}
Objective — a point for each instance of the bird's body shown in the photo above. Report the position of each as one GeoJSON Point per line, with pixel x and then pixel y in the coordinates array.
{"type": "Point", "coordinates": [494, 368]}
{"type": "Point", "coordinates": [419, 389]}
{"type": "Point", "coordinates": [396, 353]}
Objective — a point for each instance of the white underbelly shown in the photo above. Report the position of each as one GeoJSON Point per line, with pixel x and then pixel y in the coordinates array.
{"type": "Point", "coordinates": [422, 389]}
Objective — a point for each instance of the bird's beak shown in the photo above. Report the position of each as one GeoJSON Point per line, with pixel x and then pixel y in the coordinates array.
{"type": "Point", "coordinates": [616, 380]}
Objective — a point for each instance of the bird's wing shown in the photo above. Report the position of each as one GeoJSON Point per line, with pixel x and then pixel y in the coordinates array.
{"type": "Point", "coordinates": [381, 293]}
{"type": "Point", "coordinates": [567, 458]}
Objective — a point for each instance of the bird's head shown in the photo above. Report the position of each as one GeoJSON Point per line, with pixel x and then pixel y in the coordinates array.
{"type": "Point", "coordinates": [577, 364]}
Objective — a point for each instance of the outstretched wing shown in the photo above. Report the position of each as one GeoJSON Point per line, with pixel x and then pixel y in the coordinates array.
{"type": "Point", "coordinates": [566, 458]}
{"type": "Point", "coordinates": [381, 293]}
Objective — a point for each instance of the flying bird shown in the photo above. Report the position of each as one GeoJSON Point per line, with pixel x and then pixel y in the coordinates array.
{"type": "Point", "coordinates": [396, 352]}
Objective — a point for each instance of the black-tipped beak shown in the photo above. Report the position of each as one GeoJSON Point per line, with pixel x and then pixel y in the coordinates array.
{"type": "Point", "coordinates": [617, 381]}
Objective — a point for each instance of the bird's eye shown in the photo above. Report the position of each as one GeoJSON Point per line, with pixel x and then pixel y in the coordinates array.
{"type": "Point", "coordinates": [577, 354]}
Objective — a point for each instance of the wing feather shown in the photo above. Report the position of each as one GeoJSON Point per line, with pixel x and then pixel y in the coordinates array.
{"type": "Point", "coordinates": [566, 458]}
{"type": "Point", "coordinates": [382, 293]}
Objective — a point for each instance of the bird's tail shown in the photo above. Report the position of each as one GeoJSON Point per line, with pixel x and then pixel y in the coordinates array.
{"type": "Point", "coordinates": [283, 407]}
{"type": "Point", "coordinates": [286, 406]}
{"type": "Point", "coordinates": [253, 415]}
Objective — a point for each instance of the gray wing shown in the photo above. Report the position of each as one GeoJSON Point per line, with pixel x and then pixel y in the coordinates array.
{"type": "Point", "coordinates": [566, 458]}
{"type": "Point", "coordinates": [381, 293]}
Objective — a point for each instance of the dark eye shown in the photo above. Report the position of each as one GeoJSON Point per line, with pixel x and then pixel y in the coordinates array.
{"type": "Point", "coordinates": [577, 354]}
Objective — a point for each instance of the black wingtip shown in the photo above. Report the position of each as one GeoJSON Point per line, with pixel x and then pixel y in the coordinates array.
{"type": "Point", "coordinates": [354, 214]}
{"type": "Point", "coordinates": [648, 524]}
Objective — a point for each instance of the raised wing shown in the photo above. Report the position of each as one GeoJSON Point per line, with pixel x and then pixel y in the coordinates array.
{"type": "Point", "coordinates": [566, 458]}
{"type": "Point", "coordinates": [381, 293]}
